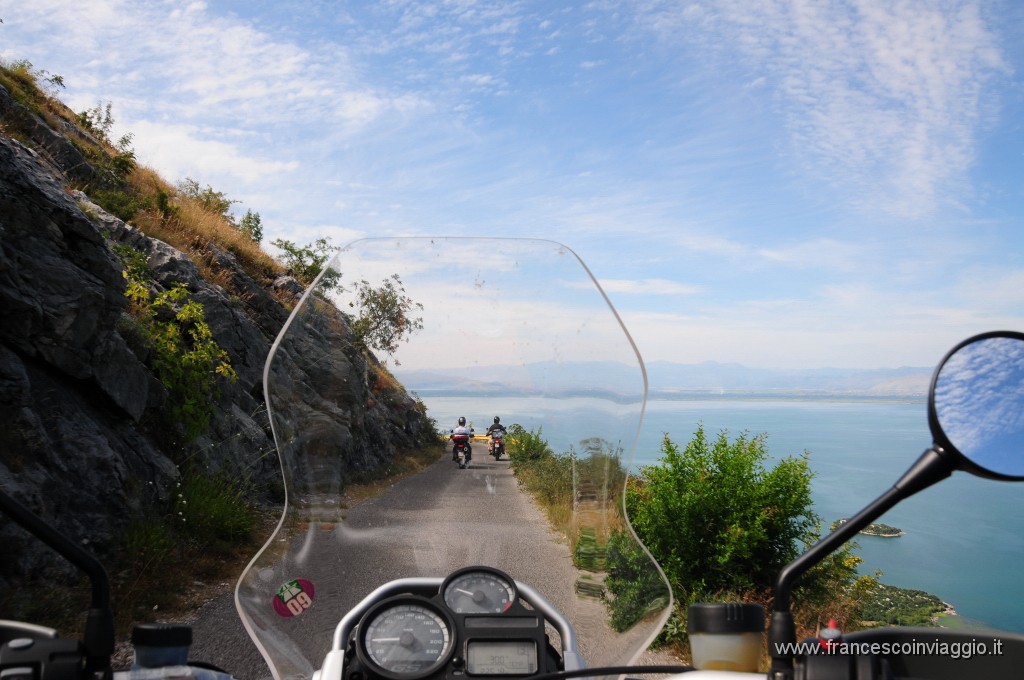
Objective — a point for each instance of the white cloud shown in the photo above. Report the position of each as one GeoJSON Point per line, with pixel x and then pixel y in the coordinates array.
{"type": "Point", "coordinates": [190, 63]}
{"type": "Point", "coordinates": [883, 99]}
{"type": "Point", "coordinates": [181, 151]}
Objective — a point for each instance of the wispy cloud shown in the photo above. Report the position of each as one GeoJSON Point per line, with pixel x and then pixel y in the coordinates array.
{"type": "Point", "coordinates": [188, 64]}
{"type": "Point", "coordinates": [649, 287]}
{"type": "Point", "coordinates": [186, 151]}
{"type": "Point", "coordinates": [817, 253]}
{"type": "Point", "coordinates": [885, 99]}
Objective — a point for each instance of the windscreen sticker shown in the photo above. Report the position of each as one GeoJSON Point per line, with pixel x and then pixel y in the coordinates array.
{"type": "Point", "coordinates": [293, 598]}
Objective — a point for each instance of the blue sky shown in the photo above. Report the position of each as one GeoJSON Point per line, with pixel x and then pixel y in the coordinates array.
{"type": "Point", "coordinates": [779, 184]}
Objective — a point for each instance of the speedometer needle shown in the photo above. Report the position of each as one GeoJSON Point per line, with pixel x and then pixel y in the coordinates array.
{"type": "Point", "coordinates": [391, 639]}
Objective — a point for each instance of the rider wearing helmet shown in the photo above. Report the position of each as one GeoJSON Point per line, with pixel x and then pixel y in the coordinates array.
{"type": "Point", "coordinates": [494, 427]}
{"type": "Point", "coordinates": [461, 428]}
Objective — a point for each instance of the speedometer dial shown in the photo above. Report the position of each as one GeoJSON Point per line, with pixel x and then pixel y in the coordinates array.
{"type": "Point", "coordinates": [405, 638]}
{"type": "Point", "coordinates": [478, 590]}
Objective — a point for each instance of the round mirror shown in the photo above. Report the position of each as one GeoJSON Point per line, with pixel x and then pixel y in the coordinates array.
{"type": "Point", "coordinates": [976, 407]}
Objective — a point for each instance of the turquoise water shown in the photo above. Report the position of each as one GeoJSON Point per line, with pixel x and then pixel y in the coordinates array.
{"type": "Point", "coordinates": [964, 537]}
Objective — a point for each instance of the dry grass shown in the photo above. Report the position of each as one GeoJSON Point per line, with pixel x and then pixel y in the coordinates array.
{"type": "Point", "coordinates": [22, 81]}
{"type": "Point", "coordinates": [164, 213]}
{"type": "Point", "coordinates": [192, 228]}
{"type": "Point", "coordinates": [383, 381]}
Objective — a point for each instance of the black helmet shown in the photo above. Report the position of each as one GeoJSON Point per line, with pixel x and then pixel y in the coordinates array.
{"type": "Point", "coordinates": [497, 420]}
{"type": "Point", "coordinates": [462, 420]}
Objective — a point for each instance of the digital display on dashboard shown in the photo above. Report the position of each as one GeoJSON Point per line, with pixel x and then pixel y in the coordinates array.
{"type": "Point", "coordinates": [501, 657]}
{"type": "Point", "coordinates": [502, 622]}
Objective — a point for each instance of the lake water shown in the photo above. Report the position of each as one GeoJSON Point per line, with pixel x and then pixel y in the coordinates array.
{"type": "Point", "coordinates": [964, 537]}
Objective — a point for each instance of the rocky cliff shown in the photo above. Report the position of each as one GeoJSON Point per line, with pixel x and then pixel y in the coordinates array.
{"type": "Point", "coordinates": [84, 440]}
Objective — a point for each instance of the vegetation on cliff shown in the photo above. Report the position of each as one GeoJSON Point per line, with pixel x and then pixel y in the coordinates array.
{"type": "Point", "coordinates": [170, 328]}
{"type": "Point", "coordinates": [147, 353]}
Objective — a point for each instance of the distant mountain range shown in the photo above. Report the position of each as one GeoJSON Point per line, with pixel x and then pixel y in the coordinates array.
{"type": "Point", "coordinates": [667, 377]}
{"type": "Point", "coordinates": [667, 380]}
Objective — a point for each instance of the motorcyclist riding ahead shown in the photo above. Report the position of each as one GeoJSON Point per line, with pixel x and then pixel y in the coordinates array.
{"type": "Point", "coordinates": [461, 430]}
{"type": "Point", "coordinates": [495, 431]}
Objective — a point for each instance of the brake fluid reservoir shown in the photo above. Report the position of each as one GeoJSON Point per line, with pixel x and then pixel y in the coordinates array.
{"type": "Point", "coordinates": [726, 636]}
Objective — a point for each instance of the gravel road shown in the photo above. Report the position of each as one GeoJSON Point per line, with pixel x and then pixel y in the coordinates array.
{"type": "Point", "coordinates": [426, 525]}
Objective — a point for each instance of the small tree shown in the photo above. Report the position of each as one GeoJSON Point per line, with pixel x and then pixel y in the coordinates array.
{"type": "Point", "coordinates": [252, 226]}
{"type": "Point", "coordinates": [306, 262]}
{"type": "Point", "coordinates": [385, 314]}
{"type": "Point", "coordinates": [98, 120]}
{"type": "Point", "coordinates": [216, 202]}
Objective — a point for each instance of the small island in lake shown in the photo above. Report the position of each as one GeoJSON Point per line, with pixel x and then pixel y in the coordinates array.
{"type": "Point", "coordinates": [883, 530]}
{"type": "Point", "coordinates": [891, 606]}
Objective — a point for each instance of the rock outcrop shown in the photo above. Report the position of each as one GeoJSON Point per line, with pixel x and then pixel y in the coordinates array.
{"type": "Point", "coordinates": [80, 437]}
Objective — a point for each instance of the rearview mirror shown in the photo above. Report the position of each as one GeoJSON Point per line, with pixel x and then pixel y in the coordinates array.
{"type": "Point", "coordinates": [976, 405]}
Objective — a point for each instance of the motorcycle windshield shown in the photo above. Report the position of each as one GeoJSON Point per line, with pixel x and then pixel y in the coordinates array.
{"type": "Point", "coordinates": [477, 328]}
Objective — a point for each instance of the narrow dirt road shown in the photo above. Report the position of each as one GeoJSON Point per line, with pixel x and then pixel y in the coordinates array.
{"type": "Point", "coordinates": [426, 525]}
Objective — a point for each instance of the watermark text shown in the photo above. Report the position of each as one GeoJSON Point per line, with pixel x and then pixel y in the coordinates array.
{"type": "Point", "coordinates": [960, 649]}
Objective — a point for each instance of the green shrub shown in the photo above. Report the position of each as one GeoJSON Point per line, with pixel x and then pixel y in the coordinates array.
{"type": "Point", "coordinates": [538, 469]}
{"type": "Point", "coordinates": [209, 508]}
{"type": "Point", "coordinates": [306, 262]}
{"type": "Point", "coordinates": [182, 350]}
{"type": "Point", "coordinates": [215, 202]}
{"type": "Point", "coordinates": [716, 518]}
{"type": "Point", "coordinates": [118, 202]}
{"type": "Point", "coordinates": [98, 121]}
{"type": "Point", "coordinates": [581, 492]}
{"type": "Point", "coordinates": [525, 445]}
{"type": "Point", "coordinates": [637, 588]}
{"type": "Point", "coordinates": [149, 541]}
{"type": "Point", "coordinates": [722, 525]}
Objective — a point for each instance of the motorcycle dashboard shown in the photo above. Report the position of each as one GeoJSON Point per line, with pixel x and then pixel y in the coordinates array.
{"type": "Point", "coordinates": [472, 623]}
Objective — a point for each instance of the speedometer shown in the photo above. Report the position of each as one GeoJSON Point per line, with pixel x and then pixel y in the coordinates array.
{"type": "Point", "coordinates": [405, 638]}
{"type": "Point", "coordinates": [479, 590]}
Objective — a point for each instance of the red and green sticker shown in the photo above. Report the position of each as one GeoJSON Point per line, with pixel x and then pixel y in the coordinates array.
{"type": "Point", "coordinates": [294, 597]}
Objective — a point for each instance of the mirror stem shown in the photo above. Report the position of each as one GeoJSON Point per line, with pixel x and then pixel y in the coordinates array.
{"type": "Point", "coordinates": [99, 626]}
{"type": "Point", "coordinates": [934, 465]}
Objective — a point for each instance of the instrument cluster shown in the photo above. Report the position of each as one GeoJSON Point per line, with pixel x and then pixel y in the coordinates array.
{"type": "Point", "coordinates": [475, 626]}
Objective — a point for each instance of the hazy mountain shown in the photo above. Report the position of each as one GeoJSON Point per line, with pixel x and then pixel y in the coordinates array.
{"type": "Point", "coordinates": [667, 377]}
{"type": "Point", "coordinates": [668, 380]}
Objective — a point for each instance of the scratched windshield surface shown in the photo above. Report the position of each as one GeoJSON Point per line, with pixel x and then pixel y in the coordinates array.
{"type": "Point", "coordinates": [486, 324]}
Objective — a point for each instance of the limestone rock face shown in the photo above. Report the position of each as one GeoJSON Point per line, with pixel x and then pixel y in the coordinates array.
{"type": "Point", "coordinates": [81, 442]}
